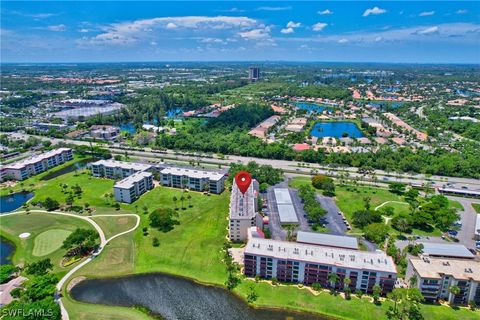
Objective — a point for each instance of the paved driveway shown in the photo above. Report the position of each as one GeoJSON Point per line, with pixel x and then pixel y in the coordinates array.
{"type": "Point", "coordinates": [469, 219]}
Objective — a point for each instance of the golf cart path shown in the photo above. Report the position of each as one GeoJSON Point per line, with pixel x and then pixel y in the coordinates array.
{"type": "Point", "coordinates": [387, 202]}
{"type": "Point", "coordinates": [103, 242]}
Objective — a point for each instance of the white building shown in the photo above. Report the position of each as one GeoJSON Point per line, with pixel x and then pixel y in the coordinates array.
{"type": "Point", "coordinates": [309, 264]}
{"type": "Point", "coordinates": [193, 179]}
{"type": "Point", "coordinates": [34, 165]}
{"type": "Point", "coordinates": [286, 210]}
{"type": "Point", "coordinates": [435, 276]}
{"type": "Point", "coordinates": [129, 189]}
{"type": "Point", "coordinates": [113, 169]}
{"type": "Point", "coordinates": [243, 211]}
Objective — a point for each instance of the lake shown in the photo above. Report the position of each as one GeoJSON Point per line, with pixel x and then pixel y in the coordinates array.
{"type": "Point", "coordinates": [70, 168]}
{"type": "Point", "coordinates": [176, 298]}
{"type": "Point", "coordinates": [336, 129]}
{"type": "Point", "coordinates": [312, 107]}
{"type": "Point", "coordinates": [6, 251]}
{"type": "Point", "coordinates": [14, 201]}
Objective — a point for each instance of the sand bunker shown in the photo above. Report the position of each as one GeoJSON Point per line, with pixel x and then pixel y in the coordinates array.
{"type": "Point", "coordinates": [24, 235]}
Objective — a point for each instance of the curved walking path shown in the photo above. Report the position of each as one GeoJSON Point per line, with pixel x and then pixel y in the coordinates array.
{"type": "Point", "coordinates": [103, 243]}
{"type": "Point", "coordinates": [387, 202]}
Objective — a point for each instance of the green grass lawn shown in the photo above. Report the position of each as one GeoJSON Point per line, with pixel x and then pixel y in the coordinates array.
{"type": "Point", "coordinates": [476, 206]}
{"type": "Point", "coordinates": [37, 224]}
{"type": "Point", "coordinates": [49, 241]}
{"type": "Point", "coordinates": [114, 225]}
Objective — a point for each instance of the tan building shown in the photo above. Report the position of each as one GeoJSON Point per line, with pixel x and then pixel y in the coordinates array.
{"type": "Point", "coordinates": [435, 277]}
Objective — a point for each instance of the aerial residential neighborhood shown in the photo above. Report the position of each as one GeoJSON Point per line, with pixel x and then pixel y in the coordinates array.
{"type": "Point", "coordinates": [252, 160]}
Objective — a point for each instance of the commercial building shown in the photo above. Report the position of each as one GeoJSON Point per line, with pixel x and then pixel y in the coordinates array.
{"type": "Point", "coordinates": [104, 132]}
{"type": "Point", "coordinates": [113, 169]}
{"type": "Point", "coordinates": [34, 165]}
{"type": "Point", "coordinates": [329, 240]}
{"type": "Point", "coordinates": [435, 277]}
{"type": "Point", "coordinates": [193, 179]}
{"type": "Point", "coordinates": [447, 250]}
{"type": "Point", "coordinates": [133, 186]}
{"type": "Point", "coordinates": [285, 207]}
{"type": "Point", "coordinates": [243, 212]}
{"type": "Point", "coordinates": [253, 73]}
{"type": "Point", "coordinates": [84, 109]}
{"type": "Point", "coordinates": [309, 264]}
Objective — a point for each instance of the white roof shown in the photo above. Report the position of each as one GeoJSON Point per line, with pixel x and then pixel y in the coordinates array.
{"type": "Point", "coordinates": [343, 258]}
{"type": "Point", "coordinates": [35, 159]}
{"type": "Point", "coordinates": [462, 191]}
{"type": "Point", "coordinates": [446, 250]}
{"type": "Point", "coordinates": [129, 181]}
{"type": "Point", "coordinates": [286, 210]}
{"type": "Point", "coordinates": [193, 173]}
{"type": "Point", "coordinates": [437, 268]}
{"type": "Point", "coordinates": [122, 164]}
{"type": "Point", "coordinates": [327, 240]}
{"type": "Point", "coordinates": [242, 205]}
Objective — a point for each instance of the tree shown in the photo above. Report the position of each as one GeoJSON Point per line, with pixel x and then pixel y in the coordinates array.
{"type": "Point", "coordinates": [163, 219]}
{"type": "Point", "coordinates": [402, 223]}
{"type": "Point", "coordinates": [361, 218]}
{"type": "Point", "coordinates": [376, 232]}
{"type": "Point", "coordinates": [6, 271]}
{"type": "Point", "coordinates": [316, 286]}
{"type": "Point", "coordinates": [397, 187]}
{"type": "Point", "coordinates": [406, 304]}
{"type": "Point", "coordinates": [411, 195]}
{"type": "Point", "coordinates": [376, 293]}
{"type": "Point", "coordinates": [232, 281]}
{"type": "Point", "coordinates": [155, 242]}
{"type": "Point", "coordinates": [366, 203]}
{"type": "Point", "coordinates": [454, 290]}
{"type": "Point", "coordinates": [50, 204]}
{"type": "Point", "coordinates": [333, 278]}
{"type": "Point", "coordinates": [83, 239]}
{"type": "Point", "coordinates": [182, 199]}
{"type": "Point", "coordinates": [189, 198]}
{"type": "Point", "coordinates": [39, 268]}
{"type": "Point", "coordinates": [175, 202]}
{"type": "Point", "coordinates": [252, 295]}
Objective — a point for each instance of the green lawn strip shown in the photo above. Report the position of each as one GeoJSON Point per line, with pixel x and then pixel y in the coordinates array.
{"type": "Point", "coordinates": [11, 226]}
{"type": "Point", "coordinates": [114, 225]}
{"type": "Point", "coordinates": [86, 311]}
{"type": "Point", "coordinates": [476, 206]}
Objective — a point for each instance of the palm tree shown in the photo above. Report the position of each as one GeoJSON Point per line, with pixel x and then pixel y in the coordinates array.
{"type": "Point", "coordinates": [346, 282]}
{"type": "Point", "coordinates": [175, 201]}
{"type": "Point", "coordinates": [182, 198]}
{"type": "Point", "coordinates": [333, 279]}
{"type": "Point", "coordinates": [189, 197]}
{"type": "Point", "coordinates": [454, 290]}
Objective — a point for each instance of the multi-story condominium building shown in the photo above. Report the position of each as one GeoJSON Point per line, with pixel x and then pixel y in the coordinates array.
{"type": "Point", "coordinates": [309, 264]}
{"type": "Point", "coordinates": [130, 188]}
{"type": "Point", "coordinates": [113, 169]}
{"type": "Point", "coordinates": [26, 168]}
{"type": "Point", "coordinates": [435, 277]}
{"type": "Point", "coordinates": [192, 179]}
{"type": "Point", "coordinates": [243, 211]}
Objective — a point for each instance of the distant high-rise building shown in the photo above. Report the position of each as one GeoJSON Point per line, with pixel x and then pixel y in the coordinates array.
{"type": "Point", "coordinates": [253, 73]}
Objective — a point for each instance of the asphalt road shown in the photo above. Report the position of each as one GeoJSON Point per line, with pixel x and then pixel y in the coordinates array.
{"type": "Point", "coordinates": [334, 221]}
{"type": "Point", "coordinates": [468, 219]}
{"type": "Point", "coordinates": [292, 166]}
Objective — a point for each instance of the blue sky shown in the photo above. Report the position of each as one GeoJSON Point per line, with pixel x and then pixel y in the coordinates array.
{"type": "Point", "coordinates": [368, 31]}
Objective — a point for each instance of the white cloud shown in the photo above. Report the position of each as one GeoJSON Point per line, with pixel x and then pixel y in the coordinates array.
{"type": "Point", "coordinates": [461, 11]}
{"type": "Point", "coordinates": [57, 28]}
{"type": "Point", "coordinates": [378, 39]}
{"type": "Point", "coordinates": [273, 8]}
{"type": "Point", "coordinates": [287, 30]}
{"type": "Point", "coordinates": [374, 10]}
{"type": "Point", "coordinates": [426, 13]}
{"type": "Point", "coordinates": [233, 10]}
{"type": "Point", "coordinates": [171, 25]}
{"type": "Point", "coordinates": [324, 12]}
{"type": "Point", "coordinates": [429, 30]}
{"type": "Point", "coordinates": [212, 40]}
{"type": "Point", "coordinates": [84, 30]}
{"type": "Point", "coordinates": [319, 26]}
{"type": "Point", "coordinates": [127, 33]}
{"type": "Point", "coordinates": [256, 34]}
{"type": "Point", "coordinates": [343, 40]}
{"type": "Point", "coordinates": [292, 24]}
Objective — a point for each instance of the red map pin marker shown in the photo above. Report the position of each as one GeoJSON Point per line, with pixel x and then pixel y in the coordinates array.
{"type": "Point", "coordinates": [243, 180]}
